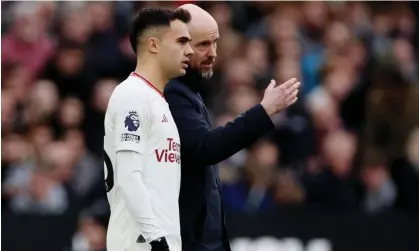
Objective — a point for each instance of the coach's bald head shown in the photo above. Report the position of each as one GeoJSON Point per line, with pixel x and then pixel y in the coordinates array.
{"type": "Point", "coordinates": [204, 32]}
{"type": "Point", "coordinates": [200, 19]}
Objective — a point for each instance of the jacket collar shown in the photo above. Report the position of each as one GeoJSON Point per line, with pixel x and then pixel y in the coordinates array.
{"type": "Point", "coordinates": [192, 79]}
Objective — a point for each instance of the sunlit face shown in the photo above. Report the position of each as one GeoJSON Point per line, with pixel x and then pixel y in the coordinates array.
{"type": "Point", "coordinates": [175, 51]}
{"type": "Point", "coordinates": [204, 45]}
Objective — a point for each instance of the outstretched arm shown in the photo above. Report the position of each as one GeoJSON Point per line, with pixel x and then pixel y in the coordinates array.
{"type": "Point", "coordinates": [209, 146]}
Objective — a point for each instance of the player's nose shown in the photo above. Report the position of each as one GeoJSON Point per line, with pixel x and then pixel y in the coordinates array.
{"type": "Point", "coordinates": [189, 51]}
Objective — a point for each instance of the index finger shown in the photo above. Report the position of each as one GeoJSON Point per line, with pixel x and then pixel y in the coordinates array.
{"type": "Point", "coordinates": [272, 84]}
{"type": "Point", "coordinates": [289, 83]}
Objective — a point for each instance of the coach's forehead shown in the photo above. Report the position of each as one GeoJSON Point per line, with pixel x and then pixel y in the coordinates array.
{"type": "Point", "coordinates": [202, 23]}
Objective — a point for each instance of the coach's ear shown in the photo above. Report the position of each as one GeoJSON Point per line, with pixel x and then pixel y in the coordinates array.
{"type": "Point", "coordinates": [152, 44]}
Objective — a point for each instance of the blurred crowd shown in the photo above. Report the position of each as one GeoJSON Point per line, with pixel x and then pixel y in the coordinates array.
{"type": "Point", "coordinates": [350, 143]}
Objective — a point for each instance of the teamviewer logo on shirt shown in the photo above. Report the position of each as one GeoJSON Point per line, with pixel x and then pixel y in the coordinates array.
{"type": "Point", "coordinates": [169, 155]}
{"type": "Point", "coordinates": [132, 121]}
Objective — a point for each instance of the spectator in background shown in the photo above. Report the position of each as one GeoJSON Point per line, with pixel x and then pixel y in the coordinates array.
{"type": "Point", "coordinates": [252, 190]}
{"type": "Point", "coordinates": [241, 100]}
{"type": "Point", "coordinates": [403, 52]}
{"type": "Point", "coordinates": [312, 31]}
{"type": "Point", "coordinates": [37, 187]}
{"type": "Point", "coordinates": [15, 151]}
{"type": "Point", "coordinates": [41, 135]}
{"type": "Point", "coordinates": [95, 114]}
{"type": "Point", "coordinates": [324, 113]}
{"type": "Point", "coordinates": [16, 79]}
{"type": "Point", "coordinates": [91, 235]}
{"type": "Point", "coordinates": [103, 45]}
{"type": "Point", "coordinates": [75, 24]}
{"type": "Point", "coordinates": [389, 116]}
{"type": "Point", "coordinates": [41, 104]}
{"type": "Point", "coordinates": [330, 184]}
{"type": "Point", "coordinates": [405, 172]}
{"type": "Point", "coordinates": [68, 69]}
{"type": "Point", "coordinates": [379, 188]}
{"type": "Point", "coordinates": [229, 46]}
{"type": "Point", "coordinates": [288, 189]}
{"type": "Point", "coordinates": [87, 175]}
{"type": "Point", "coordinates": [27, 42]}
{"type": "Point", "coordinates": [8, 112]}
{"type": "Point", "coordinates": [71, 114]}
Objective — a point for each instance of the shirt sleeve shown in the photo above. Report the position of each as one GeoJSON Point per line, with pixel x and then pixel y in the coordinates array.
{"type": "Point", "coordinates": [135, 194]}
{"type": "Point", "coordinates": [131, 125]}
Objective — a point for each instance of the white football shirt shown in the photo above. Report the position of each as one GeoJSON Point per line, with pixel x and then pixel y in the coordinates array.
{"type": "Point", "coordinates": [141, 191]}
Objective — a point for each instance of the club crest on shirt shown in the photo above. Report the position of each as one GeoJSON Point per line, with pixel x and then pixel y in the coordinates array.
{"type": "Point", "coordinates": [132, 121]}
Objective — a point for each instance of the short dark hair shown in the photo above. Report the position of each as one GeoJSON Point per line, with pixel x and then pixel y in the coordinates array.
{"type": "Point", "coordinates": [154, 17]}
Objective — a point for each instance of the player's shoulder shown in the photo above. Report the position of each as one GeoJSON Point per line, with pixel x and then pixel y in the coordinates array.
{"type": "Point", "coordinates": [129, 93]}
{"type": "Point", "coordinates": [132, 86]}
{"type": "Point", "coordinates": [131, 89]}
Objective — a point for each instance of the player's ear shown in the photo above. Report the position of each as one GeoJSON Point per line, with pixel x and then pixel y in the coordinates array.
{"type": "Point", "coordinates": [152, 44]}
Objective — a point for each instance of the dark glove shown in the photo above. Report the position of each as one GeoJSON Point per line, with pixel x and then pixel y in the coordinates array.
{"type": "Point", "coordinates": [159, 245]}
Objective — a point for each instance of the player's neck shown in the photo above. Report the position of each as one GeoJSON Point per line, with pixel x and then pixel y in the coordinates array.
{"type": "Point", "coordinates": [152, 74]}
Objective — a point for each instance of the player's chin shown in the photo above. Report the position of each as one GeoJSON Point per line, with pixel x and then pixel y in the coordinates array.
{"type": "Point", "coordinates": [182, 72]}
{"type": "Point", "coordinates": [183, 68]}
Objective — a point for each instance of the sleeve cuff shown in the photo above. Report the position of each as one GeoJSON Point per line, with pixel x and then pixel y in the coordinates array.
{"type": "Point", "coordinates": [258, 116]}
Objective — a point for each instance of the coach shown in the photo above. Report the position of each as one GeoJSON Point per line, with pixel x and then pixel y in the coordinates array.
{"type": "Point", "coordinates": [202, 147]}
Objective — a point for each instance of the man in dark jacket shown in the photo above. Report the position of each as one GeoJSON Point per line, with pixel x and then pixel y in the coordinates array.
{"type": "Point", "coordinates": [201, 212]}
